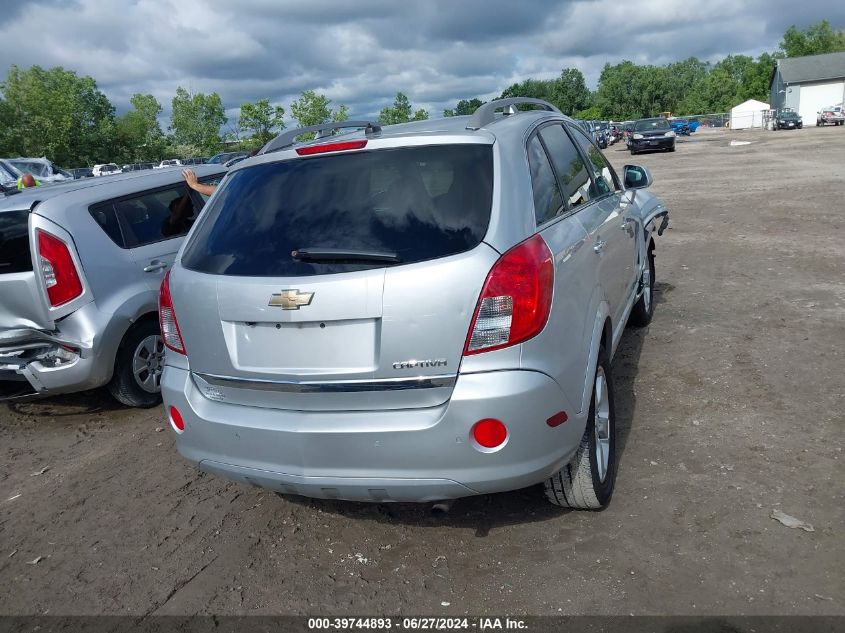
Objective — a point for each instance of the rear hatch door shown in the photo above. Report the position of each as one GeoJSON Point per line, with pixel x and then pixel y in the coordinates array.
{"type": "Point", "coordinates": [338, 282]}
{"type": "Point", "coordinates": [22, 305]}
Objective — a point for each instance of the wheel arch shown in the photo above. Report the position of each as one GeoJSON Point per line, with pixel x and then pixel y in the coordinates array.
{"type": "Point", "coordinates": [601, 342]}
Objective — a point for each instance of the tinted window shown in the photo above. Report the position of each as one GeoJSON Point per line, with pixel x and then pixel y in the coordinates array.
{"type": "Point", "coordinates": [604, 180]}
{"type": "Point", "coordinates": [155, 216]}
{"type": "Point", "coordinates": [547, 199]}
{"type": "Point", "coordinates": [574, 177]}
{"type": "Point", "coordinates": [105, 216]}
{"type": "Point", "coordinates": [14, 242]}
{"type": "Point", "coordinates": [420, 203]}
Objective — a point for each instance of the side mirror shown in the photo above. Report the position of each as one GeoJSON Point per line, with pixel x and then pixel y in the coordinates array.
{"type": "Point", "coordinates": [637, 177]}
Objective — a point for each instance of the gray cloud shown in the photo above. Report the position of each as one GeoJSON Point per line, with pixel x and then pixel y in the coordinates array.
{"type": "Point", "coordinates": [361, 53]}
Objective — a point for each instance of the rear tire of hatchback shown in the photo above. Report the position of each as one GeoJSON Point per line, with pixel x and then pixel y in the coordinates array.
{"type": "Point", "coordinates": [586, 482]}
{"type": "Point", "coordinates": [137, 368]}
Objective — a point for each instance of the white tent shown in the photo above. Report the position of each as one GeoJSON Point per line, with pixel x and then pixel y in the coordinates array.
{"type": "Point", "coordinates": [748, 114]}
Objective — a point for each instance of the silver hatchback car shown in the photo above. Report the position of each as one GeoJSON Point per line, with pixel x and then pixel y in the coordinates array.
{"type": "Point", "coordinates": [81, 264]}
{"type": "Point", "coordinates": [414, 312]}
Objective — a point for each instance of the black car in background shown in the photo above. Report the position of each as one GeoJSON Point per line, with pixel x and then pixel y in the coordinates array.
{"type": "Point", "coordinates": [788, 120]}
{"type": "Point", "coordinates": [652, 134]}
{"type": "Point", "coordinates": [81, 172]}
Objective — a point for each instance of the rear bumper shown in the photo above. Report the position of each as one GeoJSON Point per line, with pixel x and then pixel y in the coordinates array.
{"type": "Point", "coordinates": [385, 455]}
{"type": "Point", "coordinates": [78, 355]}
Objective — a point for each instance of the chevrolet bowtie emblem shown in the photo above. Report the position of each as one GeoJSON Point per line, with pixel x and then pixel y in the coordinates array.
{"type": "Point", "coordinates": [291, 299]}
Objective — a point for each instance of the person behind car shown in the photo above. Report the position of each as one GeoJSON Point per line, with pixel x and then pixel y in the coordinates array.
{"type": "Point", "coordinates": [181, 217]}
{"type": "Point", "coordinates": [28, 180]}
{"type": "Point", "coordinates": [191, 180]}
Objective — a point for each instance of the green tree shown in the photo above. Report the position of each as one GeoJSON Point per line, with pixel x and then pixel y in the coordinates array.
{"type": "Point", "coordinates": [341, 114]}
{"type": "Point", "coordinates": [814, 40]}
{"type": "Point", "coordinates": [196, 119]}
{"type": "Point", "coordinates": [532, 88]}
{"type": "Point", "coordinates": [680, 79]}
{"type": "Point", "coordinates": [55, 113]}
{"type": "Point", "coordinates": [313, 109]}
{"type": "Point", "coordinates": [569, 91]}
{"type": "Point", "coordinates": [138, 136]}
{"type": "Point", "coordinates": [262, 118]}
{"type": "Point", "coordinates": [401, 112]}
{"type": "Point", "coordinates": [467, 106]}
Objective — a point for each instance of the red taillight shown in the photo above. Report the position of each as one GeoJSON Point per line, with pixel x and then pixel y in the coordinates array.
{"type": "Point", "coordinates": [167, 318]}
{"type": "Point", "coordinates": [515, 301]}
{"type": "Point", "coordinates": [176, 420]}
{"type": "Point", "coordinates": [489, 433]}
{"type": "Point", "coordinates": [60, 275]}
{"type": "Point", "coordinates": [331, 147]}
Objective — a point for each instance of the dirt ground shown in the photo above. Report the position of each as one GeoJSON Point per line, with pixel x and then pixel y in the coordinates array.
{"type": "Point", "coordinates": [730, 406]}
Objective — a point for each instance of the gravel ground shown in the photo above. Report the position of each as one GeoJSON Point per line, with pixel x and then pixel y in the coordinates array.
{"type": "Point", "coordinates": [730, 406]}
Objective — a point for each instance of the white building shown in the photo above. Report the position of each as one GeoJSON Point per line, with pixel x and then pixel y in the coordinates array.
{"type": "Point", "coordinates": [808, 84]}
{"type": "Point", "coordinates": [748, 114]}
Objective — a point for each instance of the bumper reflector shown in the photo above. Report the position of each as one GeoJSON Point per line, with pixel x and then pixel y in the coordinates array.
{"type": "Point", "coordinates": [176, 420]}
{"type": "Point", "coordinates": [489, 433]}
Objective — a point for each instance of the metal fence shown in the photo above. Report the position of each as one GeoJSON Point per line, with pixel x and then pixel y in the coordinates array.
{"type": "Point", "coordinates": [719, 119]}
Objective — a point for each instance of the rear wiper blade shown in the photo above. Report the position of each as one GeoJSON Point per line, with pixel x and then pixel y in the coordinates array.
{"type": "Point", "coordinates": [344, 255]}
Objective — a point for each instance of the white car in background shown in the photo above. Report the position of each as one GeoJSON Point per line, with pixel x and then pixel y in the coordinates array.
{"type": "Point", "coordinates": [106, 169]}
{"type": "Point", "coordinates": [173, 162]}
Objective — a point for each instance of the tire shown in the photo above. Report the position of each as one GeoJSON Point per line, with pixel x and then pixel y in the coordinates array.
{"type": "Point", "coordinates": [141, 346]}
{"type": "Point", "coordinates": [580, 484]}
{"type": "Point", "coordinates": [643, 309]}
{"type": "Point", "coordinates": [672, 149]}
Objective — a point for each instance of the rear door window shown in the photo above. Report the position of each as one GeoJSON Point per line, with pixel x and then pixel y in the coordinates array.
{"type": "Point", "coordinates": [604, 178]}
{"type": "Point", "coordinates": [548, 202]}
{"type": "Point", "coordinates": [417, 203]}
{"type": "Point", "coordinates": [105, 216]}
{"type": "Point", "coordinates": [571, 172]}
{"type": "Point", "coordinates": [155, 216]}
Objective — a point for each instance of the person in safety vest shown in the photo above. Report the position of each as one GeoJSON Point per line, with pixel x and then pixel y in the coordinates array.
{"type": "Point", "coordinates": [26, 181]}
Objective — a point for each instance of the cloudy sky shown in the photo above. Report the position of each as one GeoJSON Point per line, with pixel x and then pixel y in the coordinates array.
{"type": "Point", "coordinates": [361, 52]}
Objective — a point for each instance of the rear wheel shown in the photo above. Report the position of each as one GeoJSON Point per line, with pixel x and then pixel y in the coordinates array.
{"type": "Point", "coordinates": [586, 482]}
{"type": "Point", "coordinates": [137, 369]}
{"type": "Point", "coordinates": [643, 309]}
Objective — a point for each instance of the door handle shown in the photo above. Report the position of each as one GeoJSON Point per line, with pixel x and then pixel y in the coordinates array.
{"type": "Point", "coordinates": [154, 266]}
{"type": "Point", "coordinates": [624, 225]}
{"type": "Point", "coordinates": [600, 244]}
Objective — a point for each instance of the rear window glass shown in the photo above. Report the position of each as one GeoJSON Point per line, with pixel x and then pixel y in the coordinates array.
{"type": "Point", "coordinates": [418, 203]}
{"type": "Point", "coordinates": [14, 242]}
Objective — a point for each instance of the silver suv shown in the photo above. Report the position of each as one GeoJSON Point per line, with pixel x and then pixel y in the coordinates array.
{"type": "Point", "coordinates": [80, 268]}
{"type": "Point", "coordinates": [411, 313]}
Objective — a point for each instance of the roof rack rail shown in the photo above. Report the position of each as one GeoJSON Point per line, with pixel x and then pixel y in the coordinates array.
{"type": "Point", "coordinates": [288, 138]}
{"type": "Point", "coordinates": [487, 113]}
